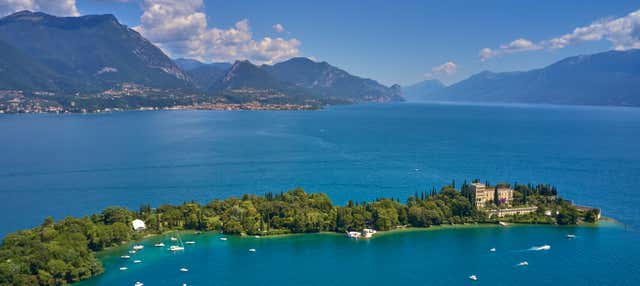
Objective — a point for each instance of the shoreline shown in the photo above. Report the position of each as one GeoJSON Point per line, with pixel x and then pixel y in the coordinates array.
{"type": "Point", "coordinates": [603, 223]}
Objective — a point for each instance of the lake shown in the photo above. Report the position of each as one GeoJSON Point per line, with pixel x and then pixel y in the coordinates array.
{"type": "Point", "coordinates": [77, 164]}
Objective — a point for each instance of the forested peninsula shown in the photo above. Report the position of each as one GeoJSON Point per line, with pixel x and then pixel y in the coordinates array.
{"type": "Point", "coordinates": [57, 253]}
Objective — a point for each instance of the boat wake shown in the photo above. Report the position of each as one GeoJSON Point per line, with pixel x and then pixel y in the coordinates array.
{"type": "Point", "coordinates": [540, 248]}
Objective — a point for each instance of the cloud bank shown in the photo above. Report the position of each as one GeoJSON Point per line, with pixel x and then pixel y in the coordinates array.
{"type": "Point", "coordinates": [182, 30]}
{"type": "Point", "coordinates": [623, 33]}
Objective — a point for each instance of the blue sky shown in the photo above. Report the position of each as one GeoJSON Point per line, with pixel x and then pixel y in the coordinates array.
{"type": "Point", "coordinates": [390, 41]}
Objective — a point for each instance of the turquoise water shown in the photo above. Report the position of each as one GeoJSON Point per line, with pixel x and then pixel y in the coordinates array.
{"type": "Point", "coordinates": [439, 257]}
{"type": "Point", "coordinates": [78, 164]}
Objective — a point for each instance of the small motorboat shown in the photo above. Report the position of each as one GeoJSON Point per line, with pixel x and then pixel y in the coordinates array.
{"type": "Point", "coordinates": [176, 248]}
{"type": "Point", "coordinates": [123, 268]}
{"type": "Point", "coordinates": [223, 238]}
{"type": "Point", "coordinates": [571, 236]}
{"type": "Point", "coordinates": [125, 257]}
{"type": "Point", "coordinates": [184, 269]}
{"type": "Point", "coordinates": [523, 263]}
{"type": "Point", "coordinates": [473, 277]}
{"type": "Point", "coordinates": [137, 261]}
{"type": "Point", "coordinates": [256, 236]}
{"type": "Point", "coordinates": [492, 249]}
{"type": "Point", "coordinates": [138, 247]}
{"type": "Point", "coordinates": [252, 250]}
{"type": "Point", "coordinates": [190, 242]}
{"type": "Point", "coordinates": [159, 244]}
{"type": "Point", "coordinates": [132, 252]}
{"type": "Point", "coordinates": [544, 247]}
{"type": "Point", "coordinates": [174, 239]}
{"type": "Point", "coordinates": [138, 284]}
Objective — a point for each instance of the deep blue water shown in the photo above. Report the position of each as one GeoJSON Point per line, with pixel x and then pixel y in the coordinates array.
{"type": "Point", "coordinates": [78, 164]}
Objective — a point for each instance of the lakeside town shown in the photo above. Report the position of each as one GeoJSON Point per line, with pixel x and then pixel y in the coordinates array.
{"type": "Point", "coordinates": [17, 101]}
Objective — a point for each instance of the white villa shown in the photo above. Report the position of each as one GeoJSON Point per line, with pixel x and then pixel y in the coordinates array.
{"type": "Point", "coordinates": [138, 225]}
{"type": "Point", "coordinates": [484, 195]}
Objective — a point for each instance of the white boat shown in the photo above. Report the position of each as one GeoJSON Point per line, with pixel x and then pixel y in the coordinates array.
{"type": "Point", "coordinates": [176, 248]}
{"type": "Point", "coordinates": [473, 277]}
{"type": "Point", "coordinates": [252, 250]}
{"type": "Point", "coordinates": [190, 242]}
{"type": "Point", "coordinates": [138, 247]}
{"type": "Point", "coordinates": [502, 223]}
{"type": "Point", "coordinates": [159, 244]}
{"type": "Point", "coordinates": [492, 249]}
{"type": "Point", "coordinates": [137, 261]}
{"type": "Point", "coordinates": [354, 234]}
{"type": "Point", "coordinates": [174, 239]}
{"type": "Point", "coordinates": [125, 257]}
{"type": "Point", "coordinates": [256, 236]}
{"type": "Point", "coordinates": [571, 236]}
{"type": "Point", "coordinates": [132, 251]}
{"type": "Point", "coordinates": [523, 263]}
{"type": "Point", "coordinates": [138, 284]}
{"type": "Point", "coordinates": [184, 269]}
{"type": "Point", "coordinates": [123, 268]}
{"type": "Point", "coordinates": [223, 238]}
{"type": "Point", "coordinates": [544, 247]}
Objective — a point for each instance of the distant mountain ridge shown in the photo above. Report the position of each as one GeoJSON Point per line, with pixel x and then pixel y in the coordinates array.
{"type": "Point", "coordinates": [422, 90]}
{"type": "Point", "coordinates": [608, 78]}
{"type": "Point", "coordinates": [93, 62]}
{"type": "Point", "coordinates": [89, 53]}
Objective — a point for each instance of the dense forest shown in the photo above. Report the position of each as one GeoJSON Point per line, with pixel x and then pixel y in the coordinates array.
{"type": "Point", "coordinates": [57, 253]}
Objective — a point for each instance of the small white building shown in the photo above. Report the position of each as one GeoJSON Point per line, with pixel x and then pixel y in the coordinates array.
{"type": "Point", "coordinates": [138, 225]}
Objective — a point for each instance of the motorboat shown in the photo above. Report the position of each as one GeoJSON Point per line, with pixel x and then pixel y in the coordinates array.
{"type": "Point", "coordinates": [190, 242]}
{"type": "Point", "coordinates": [125, 257]}
{"type": "Point", "coordinates": [174, 239]}
{"type": "Point", "coordinates": [184, 269]}
{"type": "Point", "coordinates": [159, 244]}
{"type": "Point", "coordinates": [123, 268]}
{"type": "Point", "coordinates": [473, 277]}
{"type": "Point", "coordinates": [252, 250]}
{"type": "Point", "coordinates": [492, 249]}
{"type": "Point", "coordinates": [138, 284]}
{"type": "Point", "coordinates": [138, 247]}
{"type": "Point", "coordinates": [571, 236]}
{"type": "Point", "coordinates": [176, 248]}
{"type": "Point", "coordinates": [523, 263]}
{"type": "Point", "coordinates": [223, 238]}
{"type": "Point", "coordinates": [137, 261]}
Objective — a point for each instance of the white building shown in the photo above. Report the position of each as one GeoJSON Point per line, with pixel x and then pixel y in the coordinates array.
{"type": "Point", "coordinates": [138, 225]}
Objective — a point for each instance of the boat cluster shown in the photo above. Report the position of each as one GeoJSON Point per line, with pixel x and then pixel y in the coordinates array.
{"type": "Point", "coordinates": [525, 263]}
{"type": "Point", "coordinates": [177, 245]}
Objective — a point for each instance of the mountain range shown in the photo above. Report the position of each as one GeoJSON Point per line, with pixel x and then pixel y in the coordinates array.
{"type": "Point", "coordinates": [94, 62]}
{"type": "Point", "coordinates": [608, 78]}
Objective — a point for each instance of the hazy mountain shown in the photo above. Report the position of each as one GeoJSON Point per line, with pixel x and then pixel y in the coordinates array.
{"type": "Point", "coordinates": [329, 81]}
{"type": "Point", "coordinates": [422, 90]}
{"type": "Point", "coordinates": [203, 74]}
{"type": "Point", "coordinates": [609, 78]}
{"type": "Point", "coordinates": [90, 53]}
{"type": "Point", "coordinates": [19, 71]}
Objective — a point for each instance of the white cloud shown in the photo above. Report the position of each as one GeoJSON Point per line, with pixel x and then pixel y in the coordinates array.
{"type": "Point", "coordinates": [623, 33]}
{"type": "Point", "coordinates": [443, 70]}
{"type": "Point", "coordinates": [182, 30]}
{"type": "Point", "coordinates": [516, 46]}
{"type": "Point", "coordinates": [54, 7]}
{"type": "Point", "coordinates": [279, 28]}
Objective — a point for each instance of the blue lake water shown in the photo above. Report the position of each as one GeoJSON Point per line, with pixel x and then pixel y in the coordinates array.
{"type": "Point", "coordinates": [78, 164]}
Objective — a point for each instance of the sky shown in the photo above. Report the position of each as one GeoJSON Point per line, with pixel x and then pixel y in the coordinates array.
{"type": "Point", "coordinates": [400, 42]}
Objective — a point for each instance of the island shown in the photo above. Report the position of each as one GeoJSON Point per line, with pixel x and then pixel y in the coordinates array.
{"type": "Point", "coordinates": [64, 251]}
